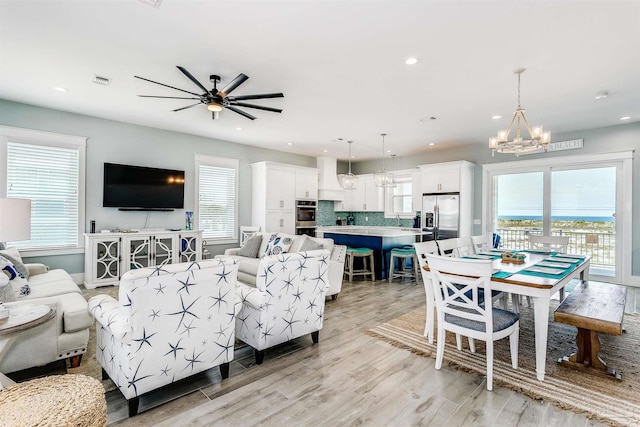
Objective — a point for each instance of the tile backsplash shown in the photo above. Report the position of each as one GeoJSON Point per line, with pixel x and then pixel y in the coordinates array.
{"type": "Point", "coordinates": [326, 216]}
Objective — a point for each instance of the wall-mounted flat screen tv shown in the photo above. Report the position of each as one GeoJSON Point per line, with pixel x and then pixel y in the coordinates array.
{"type": "Point", "coordinates": [141, 188]}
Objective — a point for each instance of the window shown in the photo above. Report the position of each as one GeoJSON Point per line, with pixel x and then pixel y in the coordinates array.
{"type": "Point", "coordinates": [217, 195]}
{"type": "Point", "coordinates": [399, 199]}
{"type": "Point", "coordinates": [47, 168]}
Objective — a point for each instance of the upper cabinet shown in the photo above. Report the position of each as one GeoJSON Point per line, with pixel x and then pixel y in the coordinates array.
{"type": "Point", "coordinates": [449, 177]}
{"type": "Point", "coordinates": [306, 184]}
{"type": "Point", "coordinates": [280, 188]}
{"type": "Point", "coordinates": [366, 197]}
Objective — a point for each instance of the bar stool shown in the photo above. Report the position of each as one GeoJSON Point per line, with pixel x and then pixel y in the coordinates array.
{"type": "Point", "coordinates": [364, 253]}
{"type": "Point", "coordinates": [408, 252]}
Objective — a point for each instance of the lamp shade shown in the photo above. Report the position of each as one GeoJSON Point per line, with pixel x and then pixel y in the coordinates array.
{"type": "Point", "coordinates": [15, 220]}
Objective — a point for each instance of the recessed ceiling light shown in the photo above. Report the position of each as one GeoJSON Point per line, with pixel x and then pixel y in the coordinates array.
{"type": "Point", "coordinates": [289, 143]}
{"type": "Point", "coordinates": [602, 94]}
{"type": "Point", "coordinates": [431, 144]}
{"type": "Point", "coordinates": [411, 61]}
{"type": "Point", "coordinates": [325, 151]}
{"type": "Point", "coordinates": [496, 117]}
{"type": "Point", "coordinates": [353, 157]}
{"type": "Point", "coordinates": [61, 89]}
{"type": "Point", "coordinates": [625, 118]}
{"type": "Point", "coordinates": [388, 151]}
{"type": "Point", "coordinates": [238, 128]}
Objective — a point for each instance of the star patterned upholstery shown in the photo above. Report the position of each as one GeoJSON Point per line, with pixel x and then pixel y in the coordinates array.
{"type": "Point", "coordinates": [287, 302]}
{"type": "Point", "coordinates": [170, 322]}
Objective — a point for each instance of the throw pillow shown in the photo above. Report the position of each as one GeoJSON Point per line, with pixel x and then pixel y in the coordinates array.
{"type": "Point", "coordinates": [13, 255]}
{"type": "Point", "coordinates": [278, 244]}
{"type": "Point", "coordinates": [309, 245]}
{"type": "Point", "coordinates": [251, 246]}
{"type": "Point", "coordinates": [17, 281]}
{"type": "Point", "coordinates": [6, 291]}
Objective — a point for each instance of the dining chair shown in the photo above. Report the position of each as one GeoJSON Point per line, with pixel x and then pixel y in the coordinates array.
{"type": "Point", "coordinates": [549, 243]}
{"type": "Point", "coordinates": [247, 231]}
{"type": "Point", "coordinates": [422, 249]}
{"type": "Point", "coordinates": [481, 243]}
{"type": "Point", "coordinates": [459, 286]}
{"type": "Point", "coordinates": [446, 247]}
{"type": "Point", "coordinates": [464, 247]}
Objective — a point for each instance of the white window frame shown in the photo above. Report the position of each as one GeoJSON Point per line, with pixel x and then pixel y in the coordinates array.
{"type": "Point", "coordinates": [222, 162]}
{"type": "Point", "coordinates": [624, 182]}
{"type": "Point", "coordinates": [399, 176]}
{"type": "Point", "coordinates": [49, 139]}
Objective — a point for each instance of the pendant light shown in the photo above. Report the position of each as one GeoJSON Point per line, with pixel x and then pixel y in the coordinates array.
{"type": "Point", "coordinates": [382, 178]}
{"type": "Point", "coordinates": [348, 181]}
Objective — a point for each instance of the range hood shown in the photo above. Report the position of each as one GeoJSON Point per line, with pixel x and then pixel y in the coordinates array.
{"type": "Point", "coordinates": [328, 186]}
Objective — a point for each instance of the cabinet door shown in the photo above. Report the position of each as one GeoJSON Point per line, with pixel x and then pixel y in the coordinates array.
{"type": "Point", "coordinates": [105, 255]}
{"type": "Point", "coordinates": [358, 199]}
{"type": "Point", "coordinates": [163, 249]}
{"type": "Point", "coordinates": [281, 222]}
{"type": "Point", "coordinates": [137, 252]}
{"type": "Point", "coordinates": [280, 188]}
{"type": "Point", "coordinates": [190, 248]}
{"type": "Point", "coordinates": [431, 180]}
{"type": "Point", "coordinates": [374, 196]}
{"type": "Point", "coordinates": [416, 180]}
{"type": "Point", "coordinates": [306, 185]}
{"type": "Point", "coordinates": [450, 179]}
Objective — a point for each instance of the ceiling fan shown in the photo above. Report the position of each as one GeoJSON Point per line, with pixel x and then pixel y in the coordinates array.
{"type": "Point", "coordinates": [217, 100]}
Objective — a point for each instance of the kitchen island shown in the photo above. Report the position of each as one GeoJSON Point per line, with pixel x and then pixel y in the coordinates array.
{"type": "Point", "coordinates": [380, 239]}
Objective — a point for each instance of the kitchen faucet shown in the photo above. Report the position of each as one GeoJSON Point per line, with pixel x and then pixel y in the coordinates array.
{"type": "Point", "coordinates": [398, 220]}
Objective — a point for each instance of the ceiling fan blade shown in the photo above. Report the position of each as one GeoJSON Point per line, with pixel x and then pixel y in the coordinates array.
{"type": "Point", "coordinates": [241, 78]}
{"type": "Point", "coordinates": [166, 97]}
{"type": "Point", "coordinates": [242, 113]}
{"type": "Point", "coordinates": [193, 79]}
{"type": "Point", "coordinates": [162, 84]}
{"type": "Point", "coordinates": [188, 106]}
{"type": "Point", "coordinates": [259, 107]}
{"type": "Point", "coordinates": [259, 96]}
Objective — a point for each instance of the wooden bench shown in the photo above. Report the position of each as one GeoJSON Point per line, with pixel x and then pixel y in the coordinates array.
{"type": "Point", "coordinates": [592, 307]}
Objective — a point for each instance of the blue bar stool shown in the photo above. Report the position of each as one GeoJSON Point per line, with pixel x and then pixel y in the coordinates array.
{"type": "Point", "coordinates": [408, 252]}
{"type": "Point", "coordinates": [366, 270]}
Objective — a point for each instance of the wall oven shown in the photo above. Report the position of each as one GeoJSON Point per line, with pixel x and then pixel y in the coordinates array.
{"type": "Point", "coordinates": [306, 217]}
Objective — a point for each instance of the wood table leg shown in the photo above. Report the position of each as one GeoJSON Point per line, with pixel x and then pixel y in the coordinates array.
{"type": "Point", "coordinates": [586, 358]}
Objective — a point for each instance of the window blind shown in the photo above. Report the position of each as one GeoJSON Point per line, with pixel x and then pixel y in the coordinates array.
{"type": "Point", "coordinates": [49, 176]}
{"type": "Point", "coordinates": [217, 201]}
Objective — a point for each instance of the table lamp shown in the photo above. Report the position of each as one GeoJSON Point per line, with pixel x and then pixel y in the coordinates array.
{"type": "Point", "coordinates": [15, 224]}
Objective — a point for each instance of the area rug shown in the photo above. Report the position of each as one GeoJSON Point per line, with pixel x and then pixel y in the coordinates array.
{"type": "Point", "coordinates": [605, 399]}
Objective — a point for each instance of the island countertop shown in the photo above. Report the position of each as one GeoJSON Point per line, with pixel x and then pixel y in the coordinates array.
{"type": "Point", "coordinates": [369, 231]}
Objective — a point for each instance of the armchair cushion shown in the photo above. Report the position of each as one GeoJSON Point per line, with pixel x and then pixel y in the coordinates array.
{"type": "Point", "coordinates": [36, 268]}
{"type": "Point", "coordinates": [310, 244]}
{"type": "Point", "coordinates": [251, 246]}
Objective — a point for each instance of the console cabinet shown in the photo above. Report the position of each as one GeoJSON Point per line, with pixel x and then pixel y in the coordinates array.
{"type": "Point", "coordinates": [109, 255]}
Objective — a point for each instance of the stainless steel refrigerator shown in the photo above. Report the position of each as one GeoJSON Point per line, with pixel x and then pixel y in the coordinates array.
{"type": "Point", "coordinates": [441, 215]}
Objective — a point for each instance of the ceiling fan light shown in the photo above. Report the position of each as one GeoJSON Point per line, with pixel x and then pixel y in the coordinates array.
{"type": "Point", "coordinates": [215, 107]}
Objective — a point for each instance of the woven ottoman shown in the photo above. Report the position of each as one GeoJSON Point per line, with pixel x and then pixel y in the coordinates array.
{"type": "Point", "coordinates": [57, 400]}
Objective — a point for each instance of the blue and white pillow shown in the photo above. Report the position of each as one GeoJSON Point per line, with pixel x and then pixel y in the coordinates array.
{"type": "Point", "coordinates": [279, 243]}
{"type": "Point", "coordinates": [17, 280]}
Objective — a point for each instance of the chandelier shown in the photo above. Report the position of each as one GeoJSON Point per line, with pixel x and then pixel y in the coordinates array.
{"type": "Point", "coordinates": [348, 181]}
{"type": "Point", "coordinates": [538, 139]}
{"type": "Point", "coordinates": [383, 178]}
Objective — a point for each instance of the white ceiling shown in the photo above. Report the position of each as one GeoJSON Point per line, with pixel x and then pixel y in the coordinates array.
{"type": "Point", "coordinates": [340, 65]}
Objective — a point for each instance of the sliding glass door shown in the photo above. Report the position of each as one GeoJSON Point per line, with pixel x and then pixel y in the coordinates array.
{"type": "Point", "coordinates": [578, 201]}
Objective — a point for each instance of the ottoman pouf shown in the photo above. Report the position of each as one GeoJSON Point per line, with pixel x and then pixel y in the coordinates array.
{"type": "Point", "coordinates": [57, 400]}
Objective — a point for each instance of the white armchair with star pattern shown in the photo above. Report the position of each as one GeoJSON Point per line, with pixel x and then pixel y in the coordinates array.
{"type": "Point", "coordinates": [287, 301]}
{"type": "Point", "coordinates": [170, 322]}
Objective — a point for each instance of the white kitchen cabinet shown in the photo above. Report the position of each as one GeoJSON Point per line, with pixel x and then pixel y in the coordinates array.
{"type": "Point", "coordinates": [452, 177]}
{"type": "Point", "coordinates": [109, 255]}
{"type": "Point", "coordinates": [306, 184]}
{"type": "Point", "coordinates": [274, 191]}
{"type": "Point", "coordinates": [366, 197]}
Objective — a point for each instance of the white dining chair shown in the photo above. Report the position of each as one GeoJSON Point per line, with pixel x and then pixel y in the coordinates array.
{"type": "Point", "coordinates": [464, 247]}
{"type": "Point", "coordinates": [446, 247]}
{"type": "Point", "coordinates": [548, 243]}
{"type": "Point", "coordinates": [247, 231]}
{"type": "Point", "coordinates": [459, 286]}
{"type": "Point", "coordinates": [481, 243]}
{"type": "Point", "coordinates": [422, 249]}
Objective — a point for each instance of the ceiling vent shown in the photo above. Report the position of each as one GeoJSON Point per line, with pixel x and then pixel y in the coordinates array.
{"type": "Point", "coordinates": [154, 3]}
{"type": "Point", "coordinates": [101, 80]}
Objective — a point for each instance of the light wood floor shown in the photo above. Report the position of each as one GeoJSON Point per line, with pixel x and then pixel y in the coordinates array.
{"type": "Point", "coordinates": [349, 378]}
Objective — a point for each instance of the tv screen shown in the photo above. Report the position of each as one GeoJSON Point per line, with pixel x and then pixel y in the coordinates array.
{"type": "Point", "coordinates": [138, 187]}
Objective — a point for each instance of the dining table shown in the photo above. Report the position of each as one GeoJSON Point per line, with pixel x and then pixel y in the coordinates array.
{"type": "Point", "coordinates": [540, 276]}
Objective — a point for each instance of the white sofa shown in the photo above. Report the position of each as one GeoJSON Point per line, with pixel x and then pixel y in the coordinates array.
{"type": "Point", "coordinates": [248, 267]}
{"type": "Point", "coordinates": [64, 337]}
